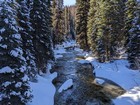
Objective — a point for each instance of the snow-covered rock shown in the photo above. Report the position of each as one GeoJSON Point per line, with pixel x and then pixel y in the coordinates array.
{"type": "Point", "coordinates": [99, 81]}
{"type": "Point", "coordinates": [82, 61]}
{"type": "Point", "coordinates": [66, 85]}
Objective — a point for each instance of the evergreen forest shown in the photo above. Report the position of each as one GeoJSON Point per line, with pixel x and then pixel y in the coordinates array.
{"type": "Point", "coordinates": [32, 31]}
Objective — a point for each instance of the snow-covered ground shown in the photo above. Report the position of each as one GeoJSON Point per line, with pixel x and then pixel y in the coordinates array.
{"type": "Point", "coordinates": [131, 97]}
{"type": "Point", "coordinates": [43, 90]}
{"type": "Point", "coordinates": [116, 71]}
{"type": "Point", "coordinates": [119, 72]}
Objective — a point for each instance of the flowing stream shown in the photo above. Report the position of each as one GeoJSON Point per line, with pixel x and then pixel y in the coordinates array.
{"type": "Point", "coordinates": [84, 90]}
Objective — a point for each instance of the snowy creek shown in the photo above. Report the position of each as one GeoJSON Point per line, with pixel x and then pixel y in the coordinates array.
{"type": "Point", "coordinates": [84, 90]}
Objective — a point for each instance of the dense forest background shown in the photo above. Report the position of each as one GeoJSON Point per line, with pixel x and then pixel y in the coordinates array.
{"type": "Point", "coordinates": [31, 29]}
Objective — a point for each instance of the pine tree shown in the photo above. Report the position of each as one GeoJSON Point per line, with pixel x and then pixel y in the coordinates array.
{"type": "Point", "coordinates": [81, 23]}
{"type": "Point", "coordinates": [14, 81]}
{"type": "Point", "coordinates": [134, 41]}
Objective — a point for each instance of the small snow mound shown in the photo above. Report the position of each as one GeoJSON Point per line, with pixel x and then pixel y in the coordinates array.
{"type": "Point", "coordinates": [6, 69]}
{"type": "Point", "coordinates": [66, 85]}
{"type": "Point", "coordinates": [99, 81]}
{"type": "Point", "coordinates": [83, 61]}
{"type": "Point", "coordinates": [58, 56]}
{"type": "Point", "coordinates": [90, 58]}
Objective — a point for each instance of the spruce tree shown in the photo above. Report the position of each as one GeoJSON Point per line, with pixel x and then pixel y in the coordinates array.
{"type": "Point", "coordinates": [91, 25]}
{"type": "Point", "coordinates": [101, 32]}
{"type": "Point", "coordinates": [40, 16]}
{"type": "Point", "coordinates": [105, 35]}
{"type": "Point", "coordinates": [69, 21]}
{"type": "Point", "coordinates": [116, 29]}
{"type": "Point", "coordinates": [72, 25]}
{"type": "Point", "coordinates": [129, 16]}
{"type": "Point", "coordinates": [134, 41]}
{"type": "Point", "coordinates": [73, 21]}
{"type": "Point", "coordinates": [14, 81]}
{"type": "Point", "coordinates": [66, 12]}
{"type": "Point", "coordinates": [58, 22]}
{"type": "Point", "coordinates": [81, 23]}
{"type": "Point", "coordinates": [26, 34]}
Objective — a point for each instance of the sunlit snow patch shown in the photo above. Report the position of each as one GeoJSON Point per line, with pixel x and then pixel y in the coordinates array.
{"type": "Point", "coordinates": [99, 81]}
{"type": "Point", "coordinates": [132, 97]}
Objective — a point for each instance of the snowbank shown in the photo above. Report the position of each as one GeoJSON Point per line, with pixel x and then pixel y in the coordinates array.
{"type": "Point", "coordinates": [43, 91]}
{"type": "Point", "coordinates": [132, 97]}
{"type": "Point", "coordinates": [119, 72]}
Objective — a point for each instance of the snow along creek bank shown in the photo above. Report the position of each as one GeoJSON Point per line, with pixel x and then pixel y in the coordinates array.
{"type": "Point", "coordinates": [72, 87]}
{"type": "Point", "coordinates": [75, 84]}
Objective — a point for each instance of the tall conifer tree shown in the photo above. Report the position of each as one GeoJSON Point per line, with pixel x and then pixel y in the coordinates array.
{"type": "Point", "coordinates": [133, 43]}
{"type": "Point", "coordinates": [81, 23]}
{"type": "Point", "coordinates": [58, 22]}
{"type": "Point", "coordinates": [104, 32]}
{"type": "Point", "coordinates": [26, 34]}
{"type": "Point", "coordinates": [14, 81]}
{"type": "Point", "coordinates": [40, 15]}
